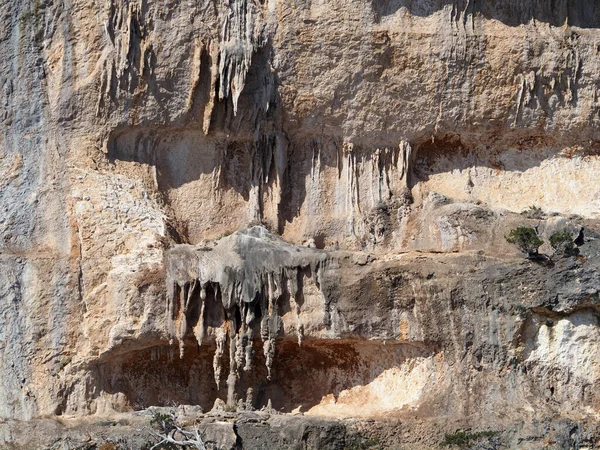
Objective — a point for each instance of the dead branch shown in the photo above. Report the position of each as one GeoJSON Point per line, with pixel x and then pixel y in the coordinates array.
{"type": "Point", "coordinates": [174, 434]}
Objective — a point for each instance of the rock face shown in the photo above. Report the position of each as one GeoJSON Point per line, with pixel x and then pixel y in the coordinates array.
{"type": "Point", "coordinates": [303, 205]}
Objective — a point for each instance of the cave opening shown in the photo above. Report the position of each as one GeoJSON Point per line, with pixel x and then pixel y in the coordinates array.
{"type": "Point", "coordinates": [311, 377]}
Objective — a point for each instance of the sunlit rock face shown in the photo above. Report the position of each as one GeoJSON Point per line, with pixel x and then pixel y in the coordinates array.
{"type": "Point", "coordinates": [300, 206]}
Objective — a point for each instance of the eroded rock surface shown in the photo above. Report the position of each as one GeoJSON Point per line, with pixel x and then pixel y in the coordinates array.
{"type": "Point", "coordinates": [300, 206]}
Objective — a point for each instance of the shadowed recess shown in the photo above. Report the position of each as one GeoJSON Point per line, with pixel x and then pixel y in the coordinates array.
{"type": "Point", "coordinates": [578, 13]}
{"type": "Point", "coordinates": [302, 376]}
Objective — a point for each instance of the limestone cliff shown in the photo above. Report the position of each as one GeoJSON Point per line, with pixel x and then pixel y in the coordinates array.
{"type": "Point", "coordinates": [301, 204]}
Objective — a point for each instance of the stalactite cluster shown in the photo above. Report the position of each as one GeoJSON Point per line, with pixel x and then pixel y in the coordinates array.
{"type": "Point", "coordinates": [234, 292]}
{"type": "Point", "coordinates": [240, 38]}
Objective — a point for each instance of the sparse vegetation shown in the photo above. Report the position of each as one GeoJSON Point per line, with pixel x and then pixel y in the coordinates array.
{"type": "Point", "coordinates": [64, 363]}
{"type": "Point", "coordinates": [372, 442]}
{"type": "Point", "coordinates": [361, 443]}
{"type": "Point", "coordinates": [163, 422]}
{"type": "Point", "coordinates": [563, 244]}
{"type": "Point", "coordinates": [225, 234]}
{"type": "Point", "coordinates": [533, 212]}
{"type": "Point", "coordinates": [526, 239]}
{"type": "Point", "coordinates": [463, 439]}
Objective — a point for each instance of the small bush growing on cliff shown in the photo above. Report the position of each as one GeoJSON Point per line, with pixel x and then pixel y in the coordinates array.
{"type": "Point", "coordinates": [360, 443]}
{"type": "Point", "coordinates": [463, 439]}
{"type": "Point", "coordinates": [526, 239]}
{"type": "Point", "coordinates": [163, 422]}
{"type": "Point", "coordinates": [563, 243]}
{"type": "Point", "coordinates": [533, 212]}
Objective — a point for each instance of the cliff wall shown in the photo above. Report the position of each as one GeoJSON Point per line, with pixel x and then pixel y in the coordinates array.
{"type": "Point", "coordinates": [190, 190]}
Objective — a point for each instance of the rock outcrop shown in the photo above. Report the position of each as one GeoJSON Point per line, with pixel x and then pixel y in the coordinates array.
{"type": "Point", "coordinates": [301, 207]}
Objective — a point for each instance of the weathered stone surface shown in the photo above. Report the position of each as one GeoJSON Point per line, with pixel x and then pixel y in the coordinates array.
{"type": "Point", "coordinates": [302, 206]}
{"type": "Point", "coordinates": [268, 431]}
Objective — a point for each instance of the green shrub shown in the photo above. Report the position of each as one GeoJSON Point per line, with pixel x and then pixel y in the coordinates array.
{"type": "Point", "coordinates": [463, 439]}
{"type": "Point", "coordinates": [526, 239]}
{"type": "Point", "coordinates": [163, 422]}
{"type": "Point", "coordinates": [360, 443]}
{"type": "Point", "coordinates": [533, 212]}
{"type": "Point", "coordinates": [563, 243]}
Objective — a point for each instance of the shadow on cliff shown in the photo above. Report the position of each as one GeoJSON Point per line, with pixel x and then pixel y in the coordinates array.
{"type": "Point", "coordinates": [240, 152]}
{"type": "Point", "coordinates": [181, 151]}
{"type": "Point", "coordinates": [516, 152]}
{"type": "Point", "coordinates": [578, 13]}
{"type": "Point", "coordinates": [302, 376]}
{"type": "Point", "coordinates": [211, 144]}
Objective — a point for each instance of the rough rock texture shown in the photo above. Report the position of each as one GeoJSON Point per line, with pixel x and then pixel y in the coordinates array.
{"type": "Point", "coordinates": [266, 431]}
{"type": "Point", "coordinates": [301, 205]}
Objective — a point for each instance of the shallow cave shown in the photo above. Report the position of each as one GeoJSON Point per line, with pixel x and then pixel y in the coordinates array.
{"type": "Point", "coordinates": [302, 376]}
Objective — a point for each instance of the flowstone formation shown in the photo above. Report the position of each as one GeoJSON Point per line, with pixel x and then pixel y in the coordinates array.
{"type": "Point", "coordinates": [248, 279]}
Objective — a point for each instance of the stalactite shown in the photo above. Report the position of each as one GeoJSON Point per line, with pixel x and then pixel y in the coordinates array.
{"type": "Point", "coordinates": [220, 339]}
{"type": "Point", "coordinates": [172, 288]}
{"type": "Point", "coordinates": [350, 184]}
{"type": "Point", "coordinates": [180, 321]}
{"type": "Point", "coordinates": [405, 160]}
{"type": "Point", "coordinates": [240, 38]}
{"type": "Point", "coordinates": [186, 297]}
{"type": "Point", "coordinates": [249, 350]}
{"type": "Point", "coordinates": [232, 377]}
{"type": "Point", "coordinates": [182, 330]}
{"type": "Point", "coordinates": [258, 174]}
{"type": "Point", "coordinates": [199, 330]}
{"type": "Point", "coordinates": [269, 351]}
